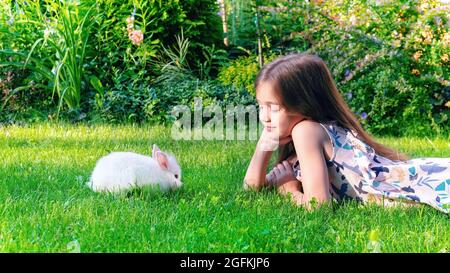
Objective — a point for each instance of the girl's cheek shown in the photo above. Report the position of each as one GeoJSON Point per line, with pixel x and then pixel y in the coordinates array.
{"type": "Point", "coordinates": [284, 132]}
{"type": "Point", "coordinates": [283, 120]}
{"type": "Point", "coordinates": [263, 114]}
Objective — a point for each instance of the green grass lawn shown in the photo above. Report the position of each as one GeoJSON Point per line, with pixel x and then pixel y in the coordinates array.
{"type": "Point", "coordinates": [45, 206]}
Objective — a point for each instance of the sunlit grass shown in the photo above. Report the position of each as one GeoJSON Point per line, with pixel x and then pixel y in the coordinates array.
{"type": "Point", "coordinates": [45, 206]}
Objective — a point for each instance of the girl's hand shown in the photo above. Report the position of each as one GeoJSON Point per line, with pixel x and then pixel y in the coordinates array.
{"type": "Point", "coordinates": [282, 178]}
{"type": "Point", "coordinates": [270, 141]}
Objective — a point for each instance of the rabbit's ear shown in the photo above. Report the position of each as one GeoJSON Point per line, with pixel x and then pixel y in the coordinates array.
{"type": "Point", "coordinates": [155, 150]}
{"type": "Point", "coordinates": [162, 159]}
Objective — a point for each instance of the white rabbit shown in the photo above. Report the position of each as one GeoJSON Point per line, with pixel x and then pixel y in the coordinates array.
{"type": "Point", "coordinates": [121, 171]}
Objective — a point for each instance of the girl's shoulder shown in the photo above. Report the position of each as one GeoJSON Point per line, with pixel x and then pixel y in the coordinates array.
{"type": "Point", "coordinates": [307, 129]}
{"type": "Point", "coordinates": [309, 132]}
{"type": "Point", "coordinates": [310, 136]}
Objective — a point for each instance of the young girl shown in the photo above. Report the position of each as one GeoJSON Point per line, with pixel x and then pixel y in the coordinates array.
{"type": "Point", "coordinates": [324, 153]}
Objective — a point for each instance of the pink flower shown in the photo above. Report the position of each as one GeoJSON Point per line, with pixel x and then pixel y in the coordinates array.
{"type": "Point", "coordinates": [136, 37]}
{"type": "Point", "coordinates": [130, 20]}
{"type": "Point", "coordinates": [130, 27]}
{"type": "Point", "coordinates": [130, 24]}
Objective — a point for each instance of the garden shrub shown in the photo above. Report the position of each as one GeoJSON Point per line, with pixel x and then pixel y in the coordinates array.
{"type": "Point", "coordinates": [389, 59]}
{"type": "Point", "coordinates": [241, 73]}
{"type": "Point", "coordinates": [137, 102]}
{"type": "Point", "coordinates": [211, 92]}
{"type": "Point", "coordinates": [110, 47]}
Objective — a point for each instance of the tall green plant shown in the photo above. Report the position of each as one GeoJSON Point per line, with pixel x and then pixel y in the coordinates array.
{"type": "Point", "coordinates": [173, 65]}
{"type": "Point", "coordinates": [214, 59]}
{"type": "Point", "coordinates": [68, 35]}
{"type": "Point", "coordinates": [65, 26]}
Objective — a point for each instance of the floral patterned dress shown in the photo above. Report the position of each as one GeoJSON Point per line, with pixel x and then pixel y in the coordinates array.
{"type": "Point", "coordinates": [357, 172]}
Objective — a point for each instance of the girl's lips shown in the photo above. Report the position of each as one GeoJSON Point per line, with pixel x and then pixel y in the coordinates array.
{"type": "Point", "coordinates": [269, 128]}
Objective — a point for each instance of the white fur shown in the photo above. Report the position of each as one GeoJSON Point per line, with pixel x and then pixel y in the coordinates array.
{"type": "Point", "coordinates": [121, 171]}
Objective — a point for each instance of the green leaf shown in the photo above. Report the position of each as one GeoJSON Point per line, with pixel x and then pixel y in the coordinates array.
{"type": "Point", "coordinates": [97, 84]}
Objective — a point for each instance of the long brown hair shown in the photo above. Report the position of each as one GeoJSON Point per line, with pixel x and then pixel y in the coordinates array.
{"type": "Point", "coordinates": [305, 85]}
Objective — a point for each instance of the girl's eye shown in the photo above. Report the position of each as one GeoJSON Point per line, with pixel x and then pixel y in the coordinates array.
{"type": "Point", "coordinates": [275, 108]}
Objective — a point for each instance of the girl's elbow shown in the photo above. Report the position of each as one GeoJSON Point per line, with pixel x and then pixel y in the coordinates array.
{"type": "Point", "coordinates": [252, 184]}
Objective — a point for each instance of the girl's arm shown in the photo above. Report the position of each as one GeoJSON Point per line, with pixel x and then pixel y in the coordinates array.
{"type": "Point", "coordinates": [255, 176]}
{"type": "Point", "coordinates": [309, 140]}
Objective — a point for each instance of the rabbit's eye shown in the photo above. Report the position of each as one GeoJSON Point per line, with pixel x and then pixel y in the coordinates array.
{"type": "Point", "coordinates": [176, 176]}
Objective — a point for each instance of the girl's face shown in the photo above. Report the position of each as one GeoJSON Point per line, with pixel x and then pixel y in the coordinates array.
{"type": "Point", "coordinates": [275, 118]}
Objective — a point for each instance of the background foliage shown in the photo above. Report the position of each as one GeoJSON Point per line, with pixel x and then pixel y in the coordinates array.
{"type": "Point", "coordinates": [390, 59]}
